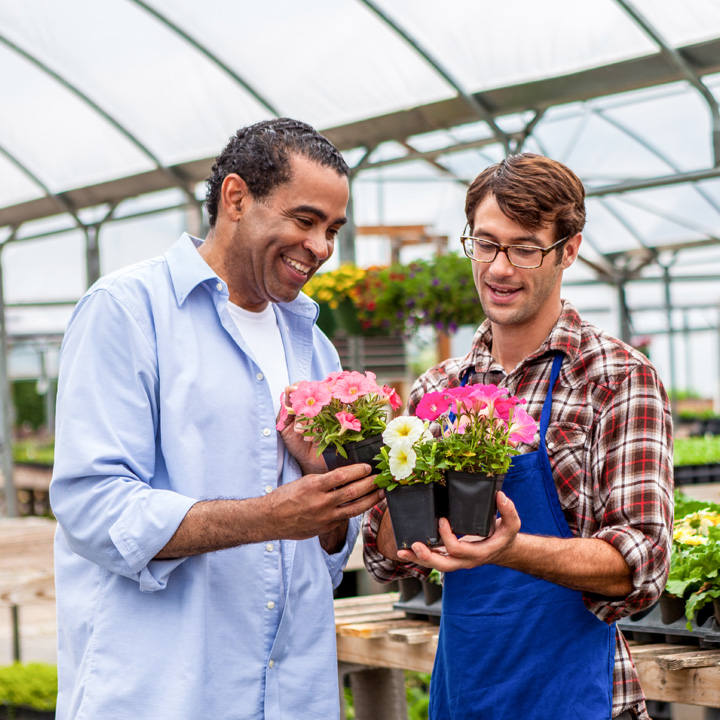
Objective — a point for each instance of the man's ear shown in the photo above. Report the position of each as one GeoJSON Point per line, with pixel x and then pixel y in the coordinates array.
{"type": "Point", "coordinates": [571, 250]}
{"type": "Point", "coordinates": [233, 194]}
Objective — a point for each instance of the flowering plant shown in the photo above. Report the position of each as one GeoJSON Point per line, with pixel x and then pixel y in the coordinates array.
{"type": "Point", "coordinates": [480, 426]}
{"type": "Point", "coordinates": [344, 407]}
{"type": "Point", "coordinates": [695, 559]}
{"type": "Point", "coordinates": [410, 455]}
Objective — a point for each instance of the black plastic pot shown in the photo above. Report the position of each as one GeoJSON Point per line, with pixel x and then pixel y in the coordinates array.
{"type": "Point", "coordinates": [409, 588]}
{"type": "Point", "coordinates": [432, 592]}
{"type": "Point", "coordinates": [362, 451]}
{"type": "Point", "coordinates": [414, 511]}
{"type": "Point", "coordinates": [472, 504]}
{"type": "Point", "coordinates": [672, 608]}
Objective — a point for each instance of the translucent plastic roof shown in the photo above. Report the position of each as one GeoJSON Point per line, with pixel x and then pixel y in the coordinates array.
{"type": "Point", "coordinates": [115, 109]}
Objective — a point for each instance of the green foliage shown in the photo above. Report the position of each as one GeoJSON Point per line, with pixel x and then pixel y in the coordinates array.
{"type": "Point", "coordinates": [685, 505]}
{"type": "Point", "coordinates": [706, 414]}
{"type": "Point", "coordinates": [430, 466]}
{"type": "Point", "coordinates": [695, 558]}
{"type": "Point", "coordinates": [417, 692]}
{"type": "Point", "coordinates": [435, 577]}
{"type": "Point", "coordinates": [33, 685]}
{"type": "Point", "coordinates": [697, 450]}
{"type": "Point", "coordinates": [484, 447]}
{"type": "Point", "coordinates": [34, 451]}
{"type": "Point", "coordinates": [29, 406]}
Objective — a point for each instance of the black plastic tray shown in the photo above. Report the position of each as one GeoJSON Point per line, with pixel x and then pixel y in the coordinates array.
{"type": "Point", "coordinates": [650, 628]}
{"type": "Point", "coordinates": [417, 608]}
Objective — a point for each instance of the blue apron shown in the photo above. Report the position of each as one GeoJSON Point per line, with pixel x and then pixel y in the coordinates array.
{"type": "Point", "coordinates": [512, 646]}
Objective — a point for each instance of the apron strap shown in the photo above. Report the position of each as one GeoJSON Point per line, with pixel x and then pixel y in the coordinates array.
{"type": "Point", "coordinates": [547, 405]}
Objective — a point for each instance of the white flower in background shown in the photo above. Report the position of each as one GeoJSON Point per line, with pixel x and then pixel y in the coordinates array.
{"type": "Point", "coordinates": [402, 458]}
{"type": "Point", "coordinates": [405, 427]}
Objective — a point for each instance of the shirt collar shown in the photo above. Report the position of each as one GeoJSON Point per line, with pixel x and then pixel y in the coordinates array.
{"type": "Point", "coordinates": [188, 269]}
{"type": "Point", "coordinates": [564, 337]}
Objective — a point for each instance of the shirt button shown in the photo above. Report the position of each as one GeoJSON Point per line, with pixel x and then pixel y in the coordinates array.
{"type": "Point", "coordinates": [219, 286]}
{"type": "Point", "coordinates": [259, 376]}
{"type": "Point", "coordinates": [271, 663]}
{"type": "Point", "coordinates": [266, 431]}
{"type": "Point", "coordinates": [270, 605]}
{"type": "Point", "coordinates": [269, 547]}
{"type": "Point", "coordinates": [550, 445]}
{"type": "Point", "coordinates": [268, 489]}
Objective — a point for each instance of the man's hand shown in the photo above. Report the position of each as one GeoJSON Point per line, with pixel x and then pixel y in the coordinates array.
{"type": "Point", "coordinates": [317, 504]}
{"type": "Point", "coordinates": [590, 565]}
{"type": "Point", "coordinates": [309, 506]}
{"type": "Point", "coordinates": [301, 448]}
{"type": "Point", "coordinates": [466, 553]}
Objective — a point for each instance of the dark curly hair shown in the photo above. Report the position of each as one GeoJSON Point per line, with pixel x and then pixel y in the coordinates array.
{"type": "Point", "coordinates": [260, 155]}
{"type": "Point", "coordinates": [533, 191]}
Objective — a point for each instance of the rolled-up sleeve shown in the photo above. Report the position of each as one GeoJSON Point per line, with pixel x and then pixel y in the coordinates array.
{"type": "Point", "coordinates": [632, 467]}
{"type": "Point", "coordinates": [101, 491]}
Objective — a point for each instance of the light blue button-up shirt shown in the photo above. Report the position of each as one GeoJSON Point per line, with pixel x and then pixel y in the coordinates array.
{"type": "Point", "coordinates": [161, 404]}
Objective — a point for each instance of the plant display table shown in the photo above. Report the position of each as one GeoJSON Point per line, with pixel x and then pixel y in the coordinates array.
{"type": "Point", "coordinates": [371, 633]}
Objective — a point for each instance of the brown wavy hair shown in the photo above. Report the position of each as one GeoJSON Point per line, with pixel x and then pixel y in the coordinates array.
{"type": "Point", "coordinates": [533, 191]}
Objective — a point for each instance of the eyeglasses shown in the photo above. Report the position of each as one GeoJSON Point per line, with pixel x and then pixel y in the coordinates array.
{"type": "Point", "coordinates": [526, 257]}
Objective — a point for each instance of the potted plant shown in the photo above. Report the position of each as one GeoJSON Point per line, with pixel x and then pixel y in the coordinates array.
{"type": "Point", "coordinates": [411, 469]}
{"type": "Point", "coordinates": [344, 415]}
{"type": "Point", "coordinates": [432, 587]}
{"type": "Point", "coordinates": [694, 578]}
{"type": "Point", "coordinates": [28, 691]}
{"type": "Point", "coordinates": [332, 290]}
{"type": "Point", "coordinates": [480, 427]}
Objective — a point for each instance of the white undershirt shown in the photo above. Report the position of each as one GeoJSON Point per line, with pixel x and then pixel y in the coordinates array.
{"type": "Point", "coordinates": [261, 333]}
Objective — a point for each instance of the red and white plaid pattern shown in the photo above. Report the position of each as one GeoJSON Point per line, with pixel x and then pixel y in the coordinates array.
{"type": "Point", "coordinates": [610, 448]}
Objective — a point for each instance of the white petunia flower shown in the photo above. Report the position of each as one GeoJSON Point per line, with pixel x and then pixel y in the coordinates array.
{"type": "Point", "coordinates": [405, 427]}
{"type": "Point", "coordinates": [402, 459]}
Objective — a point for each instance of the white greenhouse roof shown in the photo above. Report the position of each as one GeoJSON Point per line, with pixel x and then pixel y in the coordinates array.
{"type": "Point", "coordinates": [115, 109]}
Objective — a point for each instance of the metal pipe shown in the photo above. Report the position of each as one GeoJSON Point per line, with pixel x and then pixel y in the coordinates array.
{"type": "Point", "coordinates": [5, 409]}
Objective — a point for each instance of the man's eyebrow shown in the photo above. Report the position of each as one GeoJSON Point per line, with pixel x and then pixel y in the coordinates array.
{"type": "Point", "coordinates": [531, 238]}
{"type": "Point", "coordinates": [319, 214]}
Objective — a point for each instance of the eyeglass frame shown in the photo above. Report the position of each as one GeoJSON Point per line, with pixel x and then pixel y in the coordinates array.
{"type": "Point", "coordinates": [505, 248]}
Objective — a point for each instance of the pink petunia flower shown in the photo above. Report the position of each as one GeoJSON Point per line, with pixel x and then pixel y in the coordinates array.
{"type": "Point", "coordinates": [522, 427]}
{"type": "Point", "coordinates": [310, 398]}
{"type": "Point", "coordinates": [347, 421]}
{"type": "Point", "coordinates": [392, 397]}
{"type": "Point", "coordinates": [432, 405]}
{"type": "Point", "coordinates": [351, 386]}
{"type": "Point", "coordinates": [283, 414]}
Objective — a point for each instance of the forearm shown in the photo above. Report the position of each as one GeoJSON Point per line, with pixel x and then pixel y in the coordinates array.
{"type": "Point", "coordinates": [220, 524]}
{"type": "Point", "coordinates": [585, 564]}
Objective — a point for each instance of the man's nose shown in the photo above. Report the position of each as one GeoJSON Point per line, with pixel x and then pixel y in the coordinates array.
{"type": "Point", "coordinates": [501, 264]}
{"type": "Point", "coordinates": [317, 243]}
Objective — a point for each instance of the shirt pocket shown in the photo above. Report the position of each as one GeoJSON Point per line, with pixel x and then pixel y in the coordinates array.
{"type": "Point", "coordinates": [566, 446]}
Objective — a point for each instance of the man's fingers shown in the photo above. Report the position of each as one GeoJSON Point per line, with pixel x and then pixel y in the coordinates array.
{"type": "Point", "coordinates": [346, 474]}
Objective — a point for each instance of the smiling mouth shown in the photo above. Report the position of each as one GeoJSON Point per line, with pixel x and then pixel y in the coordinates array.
{"type": "Point", "coordinates": [296, 265]}
{"type": "Point", "coordinates": [503, 292]}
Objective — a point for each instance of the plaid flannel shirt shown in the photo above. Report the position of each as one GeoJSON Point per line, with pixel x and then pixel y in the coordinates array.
{"type": "Point", "coordinates": [610, 449]}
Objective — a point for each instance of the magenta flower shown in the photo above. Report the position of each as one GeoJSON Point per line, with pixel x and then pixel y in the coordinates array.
{"type": "Point", "coordinates": [310, 398]}
{"type": "Point", "coordinates": [350, 386]}
{"type": "Point", "coordinates": [522, 428]}
{"type": "Point", "coordinates": [347, 421]}
{"type": "Point", "coordinates": [432, 405]}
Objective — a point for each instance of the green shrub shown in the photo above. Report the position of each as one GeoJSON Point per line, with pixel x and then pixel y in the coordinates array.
{"type": "Point", "coordinates": [29, 406]}
{"type": "Point", "coordinates": [33, 451]}
{"type": "Point", "coordinates": [697, 450]}
{"type": "Point", "coordinates": [33, 685]}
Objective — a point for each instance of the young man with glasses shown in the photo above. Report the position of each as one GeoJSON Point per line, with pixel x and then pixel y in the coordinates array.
{"type": "Point", "coordinates": [527, 627]}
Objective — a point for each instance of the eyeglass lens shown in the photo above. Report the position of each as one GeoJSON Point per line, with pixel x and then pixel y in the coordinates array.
{"type": "Point", "coordinates": [520, 256]}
